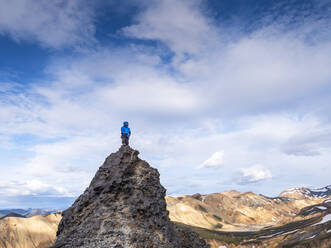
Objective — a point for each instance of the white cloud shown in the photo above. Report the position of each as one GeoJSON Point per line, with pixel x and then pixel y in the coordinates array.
{"type": "Point", "coordinates": [216, 160]}
{"type": "Point", "coordinates": [261, 71]}
{"type": "Point", "coordinates": [31, 187]}
{"type": "Point", "coordinates": [146, 98]}
{"type": "Point", "coordinates": [262, 68]}
{"type": "Point", "coordinates": [179, 24]}
{"type": "Point", "coordinates": [254, 174]}
{"type": "Point", "coordinates": [308, 142]}
{"type": "Point", "coordinates": [53, 24]}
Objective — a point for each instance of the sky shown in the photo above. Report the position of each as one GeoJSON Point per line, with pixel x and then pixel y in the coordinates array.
{"type": "Point", "coordinates": [220, 94]}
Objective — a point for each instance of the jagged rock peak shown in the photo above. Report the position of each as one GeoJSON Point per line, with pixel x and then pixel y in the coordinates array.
{"type": "Point", "coordinates": [124, 207]}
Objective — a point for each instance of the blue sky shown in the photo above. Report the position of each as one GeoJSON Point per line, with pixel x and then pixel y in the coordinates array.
{"type": "Point", "coordinates": [220, 95]}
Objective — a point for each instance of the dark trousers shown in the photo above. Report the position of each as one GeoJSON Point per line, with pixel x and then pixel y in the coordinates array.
{"type": "Point", "coordinates": [125, 139]}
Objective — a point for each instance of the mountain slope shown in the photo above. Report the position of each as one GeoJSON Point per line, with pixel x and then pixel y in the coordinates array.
{"type": "Point", "coordinates": [235, 211]}
{"type": "Point", "coordinates": [312, 231]}
{"type": "Point", "coordinates": [34, 232]}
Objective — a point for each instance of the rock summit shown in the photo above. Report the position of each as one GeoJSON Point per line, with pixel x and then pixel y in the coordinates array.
{"type": "Point", "coordinates": [124, 207]}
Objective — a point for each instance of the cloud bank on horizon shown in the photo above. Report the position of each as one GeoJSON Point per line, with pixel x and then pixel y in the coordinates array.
{"type": "Point", "coordinates": [217, 98]}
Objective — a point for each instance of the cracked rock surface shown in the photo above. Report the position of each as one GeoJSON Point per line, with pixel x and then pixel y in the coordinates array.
{"type": "Point", "coordinates": [124, 207]}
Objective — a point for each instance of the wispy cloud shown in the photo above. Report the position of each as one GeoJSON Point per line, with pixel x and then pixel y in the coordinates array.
{"type": "Point", "coordinates": [54, 24]}
{"type": "Point", "coordinates": [308, 143]}
{"type": "Point", "coordinates": [253, 174]}
{"type": "Point", "coordinates": [181, 25]}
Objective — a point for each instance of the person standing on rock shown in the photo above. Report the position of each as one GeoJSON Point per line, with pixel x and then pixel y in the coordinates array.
{"type": "Point", "coordinates": [125, 133]}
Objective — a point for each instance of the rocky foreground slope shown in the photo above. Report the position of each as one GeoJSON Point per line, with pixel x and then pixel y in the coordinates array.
{"type": "Point", "coordinates": [124, 207]}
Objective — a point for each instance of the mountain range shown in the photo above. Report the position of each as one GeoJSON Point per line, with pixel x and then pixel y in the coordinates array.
{"type": "Point", "coordinates": [235, 211]}
{"type": "Point", "coordinates": [27, 212]}
{"type": "Point", "coordinates": [296, 218]}
{"type": "Point", "coordinates": [303, 193]}
{"type": "Point", "coordinates": [223, 219]}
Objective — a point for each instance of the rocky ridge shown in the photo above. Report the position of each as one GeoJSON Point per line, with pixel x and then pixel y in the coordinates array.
{"type": "Point", "coordinates": [124, 206]}
{"type": "Point", "coordinates": [303, 193]}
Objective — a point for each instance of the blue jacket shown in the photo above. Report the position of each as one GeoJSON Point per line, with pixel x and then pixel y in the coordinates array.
{"type": "Point", "coordinates": [125, 130]}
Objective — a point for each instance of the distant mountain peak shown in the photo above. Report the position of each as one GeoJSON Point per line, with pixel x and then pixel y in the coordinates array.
{"type": "Point", "coordinates": [13, 214]}
{"type": "Point", "coordinates": [303, 192]}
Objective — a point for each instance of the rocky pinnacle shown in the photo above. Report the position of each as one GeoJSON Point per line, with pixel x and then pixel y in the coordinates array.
{"type": "Point", "coordinates": [124, 207]}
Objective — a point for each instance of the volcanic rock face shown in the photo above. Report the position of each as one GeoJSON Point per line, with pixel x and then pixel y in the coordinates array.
{"type": "Point", "coordinates": [124, 207]}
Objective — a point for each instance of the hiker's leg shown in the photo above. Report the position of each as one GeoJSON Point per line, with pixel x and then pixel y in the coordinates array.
{"type": "Point", "coordinates": [123, 139]}
{"type": "Point", "coordinates": [127, 140]}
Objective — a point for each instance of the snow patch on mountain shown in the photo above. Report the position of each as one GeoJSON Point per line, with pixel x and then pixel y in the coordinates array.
{"type": "Point", "coordinates": [302, 192]}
